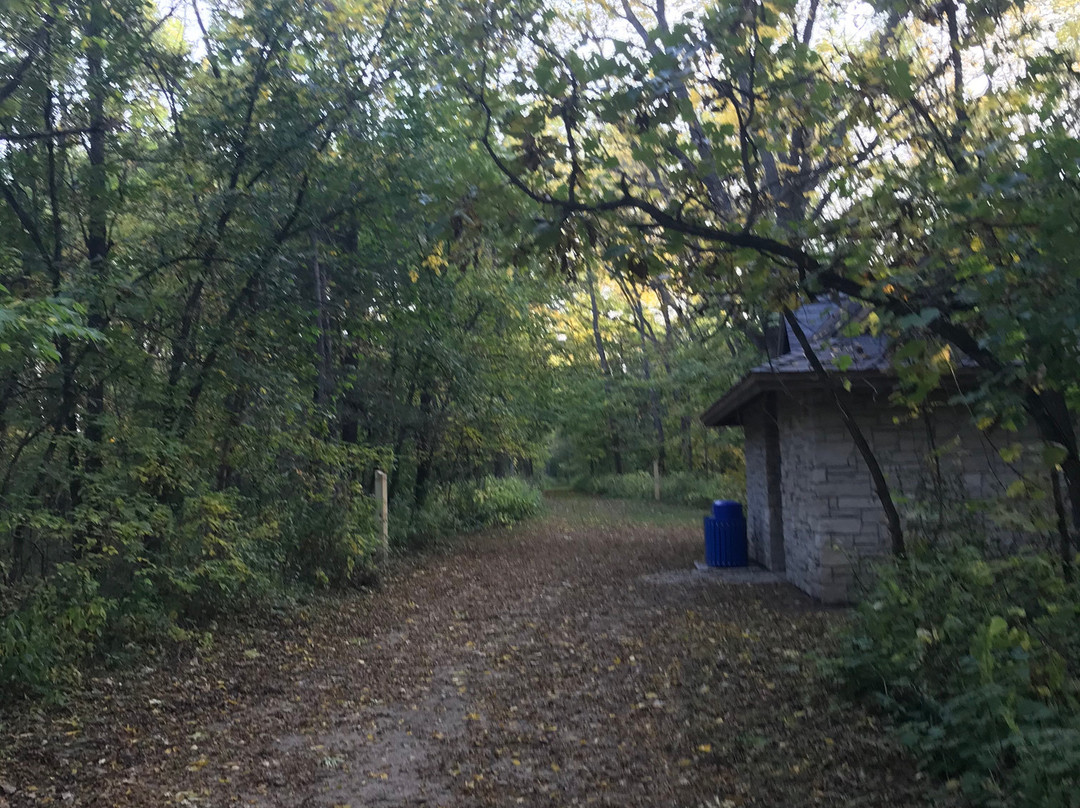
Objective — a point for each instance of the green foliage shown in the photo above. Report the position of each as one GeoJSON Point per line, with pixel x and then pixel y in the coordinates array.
{"type": "Point", "coordinates": [760, 155]}
{"type": "Point", "coordinates": [214, 563]}
{"type": "Point", "coordinates": [504, 501]}
{"type": "Point", "coordinates": [311, 502]}
{"type": "Point", "coordinates": [978, 662]}
{"type": "Point", "coordinates": [684, 488]}
{"type": "Point", "coordinates": [633, 371]}
{"type": "Point", "coordinates": [29, 328]}
{"type": "Point", "coordinates": [468, 506]}
{"type": "Point", "coordinates": [281, 269]}
{"type": "Point", "coordinates": [44, 638]}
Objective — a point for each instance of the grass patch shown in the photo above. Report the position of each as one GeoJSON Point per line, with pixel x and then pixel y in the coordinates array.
{"type": "Point", "coordinates": [682, 488]}
{"type": "Point", "coordinates": [580, 509]}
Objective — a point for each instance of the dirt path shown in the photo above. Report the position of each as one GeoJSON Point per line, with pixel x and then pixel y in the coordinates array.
{"type": "Point", "coordinates": [572, 661]}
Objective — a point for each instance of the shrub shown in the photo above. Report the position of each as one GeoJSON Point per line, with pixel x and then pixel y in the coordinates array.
{"type": "Point", "coordinates": [505, 501]}
{"type": "Point", "coordinates": [215, 563]}
{"type": "Point", "coordinates": [468, 506]}
{"type": "Point", "coordinates": [44, 640]}
{"type": "Point", "coordinates": [146, 557]}
{"type": "Point", "coordinates": [976, 660]}
{"type": "Point", "coordinates": [308, 495]}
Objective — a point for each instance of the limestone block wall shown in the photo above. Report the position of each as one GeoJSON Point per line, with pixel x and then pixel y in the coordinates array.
{"type": "Point", "coordinates": [802, 479]}
{"type": "Point", "coordinates": [833, 522]}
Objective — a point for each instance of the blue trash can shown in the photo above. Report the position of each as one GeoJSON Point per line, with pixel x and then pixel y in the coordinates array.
{"type": "Point", "coordinates": [725, 535]}
{"type": "Point", "coordinates": [712, 542]}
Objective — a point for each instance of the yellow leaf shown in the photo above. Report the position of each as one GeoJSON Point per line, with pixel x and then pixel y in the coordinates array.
{"type": "Point", "coordinates": [1011, 453]}
{"type": "Point", "coordinates": [976, 244]}
{"type": "Point", "coordinates": [414, 276]}
{"type": "Point", "coordinates": [705, 747]}
{"type": "Point", "coordinates": [1016, 488]}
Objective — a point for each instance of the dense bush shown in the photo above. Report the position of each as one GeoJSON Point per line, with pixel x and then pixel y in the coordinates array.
{"type": "Point", "coordinates": [318, 502]}
{"type": "Point", "coordinates": [977, 661]}
{"type": "Point", "coordinates": [157, 575]}
{"type": "Point", "coordinates": [153, 559]}
{"type": "Point", "coordinates": [55, 626]}
{"type": "Point", "coordinates": [504, 501]}
{"type": "Point", "coordinates": [467, 506]}
{"type": "Point", "coordinates": [685, 488]}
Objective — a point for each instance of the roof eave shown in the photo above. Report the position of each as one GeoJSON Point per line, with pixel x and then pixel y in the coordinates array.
{"type": "Point", "coordinates": [727, 410]}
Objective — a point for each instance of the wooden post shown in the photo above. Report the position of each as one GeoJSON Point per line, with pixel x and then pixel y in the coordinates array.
{"type": "Point", "coordinates": [656, 479]}
{"type": "Point", "coordinates": [384, 511]}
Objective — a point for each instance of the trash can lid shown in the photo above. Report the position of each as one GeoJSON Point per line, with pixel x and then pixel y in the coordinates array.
{"type": "Point", "coordinates": [726, 507]}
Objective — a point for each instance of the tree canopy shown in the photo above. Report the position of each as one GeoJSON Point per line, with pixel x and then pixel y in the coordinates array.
{"type": "Point", "coordinates": [920, 158]}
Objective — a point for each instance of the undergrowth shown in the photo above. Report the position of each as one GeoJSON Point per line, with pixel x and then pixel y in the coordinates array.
{"type": "Point", "coordinates": [149, 574]}
{"type": "Point", "coordinates": [977, 661]}
{"type": "Point", "coordinates": [465, 507]}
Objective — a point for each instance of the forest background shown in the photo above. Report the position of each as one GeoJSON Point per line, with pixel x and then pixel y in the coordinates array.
{"type": "Point", "coordinates": [252, 251]}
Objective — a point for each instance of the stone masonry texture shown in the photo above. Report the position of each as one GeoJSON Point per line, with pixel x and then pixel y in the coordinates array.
{"type": "Point", "coordinates": [833, 525]}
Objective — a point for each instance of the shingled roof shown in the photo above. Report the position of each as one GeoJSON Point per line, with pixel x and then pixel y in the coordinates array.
{"type": "Point", "coordinates": [823, 323]}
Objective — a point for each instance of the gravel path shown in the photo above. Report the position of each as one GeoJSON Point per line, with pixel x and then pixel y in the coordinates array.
{"type": "Point", "coordinates": [569, 661]}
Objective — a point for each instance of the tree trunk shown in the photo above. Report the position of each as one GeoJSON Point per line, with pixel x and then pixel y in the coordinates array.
{"type": "Point", "coordinates": [1065, 547]}
{"type": "Point", "coordinates": [425, 450]}
{"type": "Point", "coordinates": [646, 370]}
{"type": "Point", "coordinates": [97, 239]}
{"type": "Point", "coordinates": [234, 405]}
{"type": "Point", "coordinates": [681, 396]}
{"type": "Point", "coordinates": [348, 409]}
{"type": "Point", "coordinates": [1051, 414]}
{"type": "Point", "coordinates": [1071, 468]}
{"type": "Point", "coordinates": [605, 370]}
{"type": "Point", "coordinates": [323, 345]}
{"type": "Point", "coordinates": [66, 417]}
{"type": "Point", "coordinates": [654, 406]}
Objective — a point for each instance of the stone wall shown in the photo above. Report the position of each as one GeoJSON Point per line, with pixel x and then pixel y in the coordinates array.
{"type": "Point", "coordinates": [803, 478]}
{"type": "Point", "coordinates": [832, 519]}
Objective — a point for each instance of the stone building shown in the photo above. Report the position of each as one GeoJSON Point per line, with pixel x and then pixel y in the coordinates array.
{"type": "Point", "coordinates": [811, 507]}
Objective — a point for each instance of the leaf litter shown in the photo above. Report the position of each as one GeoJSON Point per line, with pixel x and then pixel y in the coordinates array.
{"type": "Point", "coordinates": [562, 662]}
